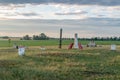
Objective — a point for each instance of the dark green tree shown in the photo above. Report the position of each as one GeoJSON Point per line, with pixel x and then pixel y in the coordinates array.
{"type": "Point", "coordinates": [26, 37]}
{"type": "Point", "coordinates": [36, 37]}
{"type": "Point", "coordinates": [43, 36]}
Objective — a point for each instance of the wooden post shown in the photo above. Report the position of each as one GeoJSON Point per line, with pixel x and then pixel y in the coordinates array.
{"type": "Point", "coordinates": [60, 41]}
{"type": "Point", "coordinates": [9, 41]}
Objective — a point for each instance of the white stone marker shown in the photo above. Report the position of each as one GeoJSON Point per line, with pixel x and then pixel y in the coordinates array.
{"type": "Point", "coordinates": [76, 41]}
{"type": "Point", "coordinates": [113, 47]}
{"type": "Point", "coordinates": [42, 48]}
{"type": "Point", "coordinates": [21, 51]}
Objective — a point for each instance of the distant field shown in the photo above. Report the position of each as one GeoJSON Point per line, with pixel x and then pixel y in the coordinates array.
{"type": "Point", "coordinates": [98, 63]}
{"type": "Point", "coordinates": [5, 43]}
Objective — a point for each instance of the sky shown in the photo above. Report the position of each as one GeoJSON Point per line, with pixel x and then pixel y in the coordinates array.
{"type": "Point", "coordinates": [88, 18]}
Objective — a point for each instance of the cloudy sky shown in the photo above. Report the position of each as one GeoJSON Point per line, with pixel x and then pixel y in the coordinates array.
{"type": "Point", "coordinates": [88, 18]}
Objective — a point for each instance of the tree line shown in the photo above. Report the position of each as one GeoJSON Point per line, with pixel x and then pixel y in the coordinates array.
{"type": "Point", "coordinates": [41, 36]}
{"type": "Point", "coordinates": [102, 38]}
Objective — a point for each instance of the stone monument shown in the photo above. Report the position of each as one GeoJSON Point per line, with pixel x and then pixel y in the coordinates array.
{"type": "Point", "coordinates": [76, 41]}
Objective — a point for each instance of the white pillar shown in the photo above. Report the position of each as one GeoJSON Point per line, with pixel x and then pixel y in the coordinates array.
{"type": "Point", "coordinates": [21, 51]}
{"type": "Point", "coordinates": [76, 41]}
{"type": "Point", "coordinates": [113, 47]}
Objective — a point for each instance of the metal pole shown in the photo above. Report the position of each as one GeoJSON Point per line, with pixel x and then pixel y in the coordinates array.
{"type": "Point", "coordinates": [60, 41]}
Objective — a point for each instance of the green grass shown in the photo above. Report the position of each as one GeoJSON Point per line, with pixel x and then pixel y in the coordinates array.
{"type": "Point", "coordinates": [98, 63]}
{"type": "Point", "coordinates": [5, 43]}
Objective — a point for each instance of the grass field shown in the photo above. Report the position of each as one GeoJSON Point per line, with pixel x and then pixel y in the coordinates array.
{"type": "Point", "coordinates": [5, 43]}
{"type": "Point", "coordinates": [99, 63]}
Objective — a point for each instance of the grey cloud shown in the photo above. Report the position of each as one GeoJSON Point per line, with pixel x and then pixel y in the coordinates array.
{"type": "Point", "coordinates": [96, 26]}
{"type": "Point", "coordinates": [72, 13]}
{"type": "Point", "coordinates": [79, 2]}
{"type": "Point", "coordinates": [23, 14]}
{"type": "Point", "coordinates": [11, 6]}
{"type": "Point", "coordinates": [102, 22]}
{"type": "Point", "coordinates": [28, 14]}
{"type": "Point", "coordinates": [117, 8]}
{"type": "Point", "coordinates": [67, 24]}
{"type": "Point", "coordinates": [101, 15]}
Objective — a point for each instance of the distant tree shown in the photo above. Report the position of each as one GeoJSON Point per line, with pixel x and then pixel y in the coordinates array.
{"type": "Point", "coordinates": [95, 38]}
{"type": "Point", "coordinates": [102, 39]}
{"type": "Point", "coordinates": [26, 37]}
{"type": "Point", "coordinates": [115, 38]}
{"type": "Point", "coordinates": [43, 36]}
{"type": "Point", "coordinates": [119, 38]}
{"type": "Point", "coordinates": [36, 37]}
{"type": "Point", "coordinates": [111, 38]}
{"type": "Point", "coordinates": [107, 38]}
{"type": "Point", "coordinates": [5, 37]}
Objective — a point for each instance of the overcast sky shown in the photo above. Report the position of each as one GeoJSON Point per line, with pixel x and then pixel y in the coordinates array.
{"type": "Point", "coordinates": [88, 18]}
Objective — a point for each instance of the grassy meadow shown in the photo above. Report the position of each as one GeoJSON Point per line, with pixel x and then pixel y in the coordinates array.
{"type": "Point", "coordinates": [95, 63]}
{"type": "Point", "coordinates": [5, 43]}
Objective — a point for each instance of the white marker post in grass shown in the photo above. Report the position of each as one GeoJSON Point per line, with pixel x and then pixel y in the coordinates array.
{"type": "Point", "coordinates": [113, 47]}
{"type": "Point", "coordinates": [21, 51]}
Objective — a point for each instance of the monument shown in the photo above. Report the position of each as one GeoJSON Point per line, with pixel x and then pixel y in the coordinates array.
{"type": "Point", "coordinates": [91, 44]}
{"type": "Point", "coordinates": [76, 41]}
{"type": "Point", "coordinates": [76, 45]}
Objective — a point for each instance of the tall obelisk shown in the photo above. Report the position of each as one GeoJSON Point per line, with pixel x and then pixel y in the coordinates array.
{"type": "Point", "coordinates": [76, 41]}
